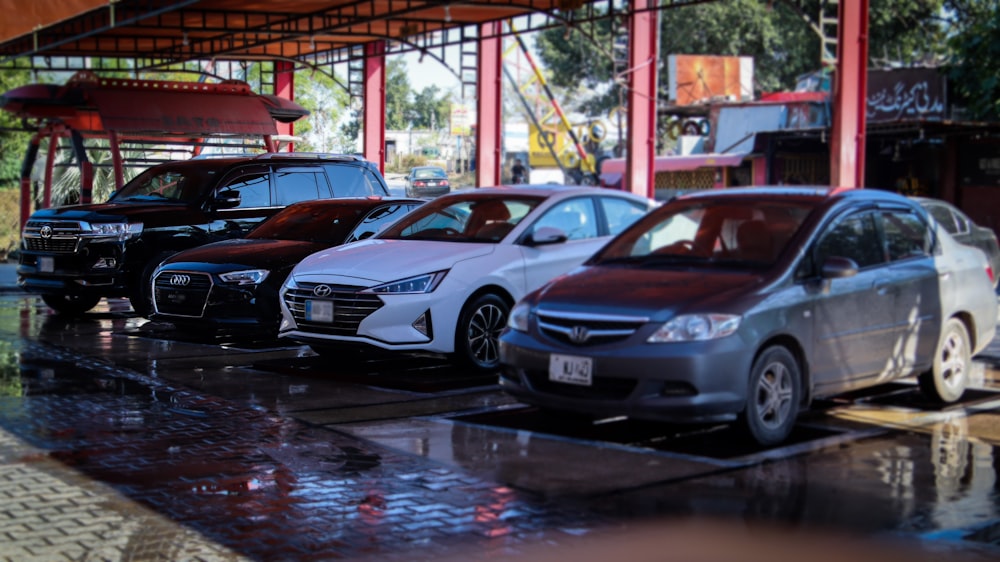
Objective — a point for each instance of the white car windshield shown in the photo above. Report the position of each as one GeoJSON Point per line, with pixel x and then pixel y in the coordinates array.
{"type": "Point", "coordinates": [473, 218]}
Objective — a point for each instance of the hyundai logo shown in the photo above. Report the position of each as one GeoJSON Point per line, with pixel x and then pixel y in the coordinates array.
{"type": "Point", "coordinates": [322, 290]}
{"type": "Point", "coordinates": [45, 232]}
{"type": "Point", "coordinates": [178, 280]}
{"type": "Point", "coordinates": [579, 334]}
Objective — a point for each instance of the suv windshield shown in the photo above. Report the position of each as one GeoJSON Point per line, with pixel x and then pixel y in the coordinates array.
{"type": "Point", "coordinates": [164, 184]}
{"type": "Point", "coordinates": [725, 231]}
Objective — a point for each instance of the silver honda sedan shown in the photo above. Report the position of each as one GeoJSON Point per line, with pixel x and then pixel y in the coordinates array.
{"type": "Point", "coordinates": [746, 304]}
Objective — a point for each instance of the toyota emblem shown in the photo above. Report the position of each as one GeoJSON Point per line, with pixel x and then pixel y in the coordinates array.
{"type": "Point", "coordinates": [45, 232]}
{"type": "Point", "coordinates": [322, 290]}
{"type": "Point", "coordinates": [579, 334]}
{"type": "Point", "coordinates": [179, 280]}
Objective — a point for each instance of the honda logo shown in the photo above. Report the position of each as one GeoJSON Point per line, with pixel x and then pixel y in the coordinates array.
{"type": "Point", "coordinates": [322, 290]}
{"type": "Point", "coordinates": [579, 334]}
{"type": "Point", "coordinates": [178, 280]}
{"type": "Point", "coordinates": [45, 232]}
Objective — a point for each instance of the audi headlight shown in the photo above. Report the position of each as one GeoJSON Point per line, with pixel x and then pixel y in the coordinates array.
{"type": "Point", "coordinates": [119, 230]}
{"type": "Point", "coordinates": [247, 277]}
{"type": "Point", "coordinates": [696, 327]}
{"type": "Point", "coordinates": [411, 285]}
{"type": "Point", "coordinates": [518, 317]}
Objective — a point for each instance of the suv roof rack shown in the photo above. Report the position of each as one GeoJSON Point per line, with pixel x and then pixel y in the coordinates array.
{"type": "Point", "coordinates": [309, 155]}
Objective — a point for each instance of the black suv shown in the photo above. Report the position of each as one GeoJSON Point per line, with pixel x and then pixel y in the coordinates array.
{"type": "Point", "coordinates": [75, 255]}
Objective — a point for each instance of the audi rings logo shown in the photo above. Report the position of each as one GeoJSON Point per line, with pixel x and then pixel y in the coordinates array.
{"type": "Point", "coordinates": [178, 280]}
{"type": "Point", "coordinates": [579, 334]}
{"type": "Point", "coordinates": [322, 290]}
{"type": "Point", "coordinates": [45, 232]}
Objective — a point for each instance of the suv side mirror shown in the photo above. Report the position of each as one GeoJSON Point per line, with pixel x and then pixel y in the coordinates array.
{"type": "Point", "coordinates": [226, 199]}
{"type": "Point", "coordinates": [545, 235]}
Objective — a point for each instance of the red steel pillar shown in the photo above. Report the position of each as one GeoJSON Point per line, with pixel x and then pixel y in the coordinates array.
{"type": "Point", "coordinates": [642, 84]}
{"type": "Point", "coordinates": [847, 143]}
{"type": "Point", "coordinates": [374, 102]}
{"type": "Point", "coordinates": [489, 106]}
{"type": "Point", "coordinates": [284, 87]}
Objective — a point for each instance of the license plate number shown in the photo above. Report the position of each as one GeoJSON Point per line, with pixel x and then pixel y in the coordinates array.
{"type": "Point", "coordinates": [46, 264]}
{"type": "Point", "coordinates": [571, 369]}
{"type": "Point", "coordinates": [319, 311]}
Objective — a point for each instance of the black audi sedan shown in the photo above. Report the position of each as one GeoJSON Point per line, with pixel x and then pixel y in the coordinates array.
{"type": "Point", "coordinates": [744, 305]}
{"type": "Point", "coordinates": [232, 286]}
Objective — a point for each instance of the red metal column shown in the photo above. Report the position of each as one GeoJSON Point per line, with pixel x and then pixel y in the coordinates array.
{"type": "Point", "coordinates": [284, 87]}
{"type": "Point", "coordinates": [642, 83]}
{"type": "Point", "coordinates": [489, 106]}
{"type": "Point", "coordinates": [847, 145]}
{"type": "Point", "coordinates": [374, 101]}
{"type": "Point", "coordinates": [26, 165]}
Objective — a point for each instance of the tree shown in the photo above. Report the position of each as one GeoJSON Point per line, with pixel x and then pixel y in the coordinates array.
{"type": "Point", "coordinates": [13, 144]}
{"type": "Point", "coordinates": [974, 68]}
{"type": "Point", "coordinates": [326, 101]}
{"type": "Point", "coordinates": [397, 94]}
{"type": "Point", "coordinates": [430, 108]}
{"type": "Point", "coordinates": [781, 36]}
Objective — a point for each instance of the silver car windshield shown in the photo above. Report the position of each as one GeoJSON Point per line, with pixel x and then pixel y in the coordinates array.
{"type": "Point", "coordinates": [725, 232]}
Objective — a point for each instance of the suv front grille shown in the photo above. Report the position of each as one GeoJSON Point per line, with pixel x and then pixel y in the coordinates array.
{"type": "Point", "coordinates": [181, 293]}
{"type": "Point", "coordinates": [587, 329]}
{"type": "Point", "coordinates": [60, 237]}
{"type": "Point", "coordinates": [350, 308]}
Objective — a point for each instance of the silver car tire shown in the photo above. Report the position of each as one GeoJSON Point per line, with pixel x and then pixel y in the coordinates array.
{"type": "Point", "coordinates": [945, 382]}
{"type": "Point", "coordinates": [773, 397]}
{"type": "Point", "coordinates": [477, 334]}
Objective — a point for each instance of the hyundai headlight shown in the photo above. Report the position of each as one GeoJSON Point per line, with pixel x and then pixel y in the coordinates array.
{"type": "Point", "coordinates": [518, 317]}
{"type": "Point", "coordinates": [247, 277]}
{"type": "Point", "coordinates": [696, 327]}
{"type": "Point", "coordinates": [411, 285]}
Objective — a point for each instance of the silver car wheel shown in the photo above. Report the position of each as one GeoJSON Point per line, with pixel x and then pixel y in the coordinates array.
{"type": "Point", "coordinates": [774, 395]}
{"type": "Point", "coordinates": [948, 376]}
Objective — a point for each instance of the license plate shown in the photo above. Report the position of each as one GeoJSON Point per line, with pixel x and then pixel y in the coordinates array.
{"type": "Point", "coordinates": [570, 369]}
{"type": "Point", "coordinates": [319, 311]}
{"type": "Point", "coordinates": [46, 264]}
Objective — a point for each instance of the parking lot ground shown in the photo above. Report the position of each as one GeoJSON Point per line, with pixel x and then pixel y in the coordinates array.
{"type": "Point", "coordinates": [120, 439]}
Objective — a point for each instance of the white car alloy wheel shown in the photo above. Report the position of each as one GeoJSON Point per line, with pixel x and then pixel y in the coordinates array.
{"type": "Point", "coordinates": [478, 331]}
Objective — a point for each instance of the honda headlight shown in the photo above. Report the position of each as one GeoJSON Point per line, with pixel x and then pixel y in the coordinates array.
{"type": "Point", "coordinates": [247, 277]}
{"type": "Point", "coordinates": [696, 327]}
{"type": "Point", "coordinates": [518, 317]}
{"type": "Point", "coordinates": [119, 230]}
{"type": "Point", "coordinates": [411, 285]}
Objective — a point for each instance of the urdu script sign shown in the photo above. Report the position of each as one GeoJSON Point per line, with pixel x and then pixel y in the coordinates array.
{"type": "Point", "coordinates": [905, 94]}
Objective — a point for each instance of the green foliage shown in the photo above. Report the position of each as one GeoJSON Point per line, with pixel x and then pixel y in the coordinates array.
{"type": "Point", "coordinates": [326, 101]}
{"type": "Point", "coordinates": [975, 63]}
{"type": "Point", "coordinates": [10, 220]}
{"type": "Point", "coordinates": [12, 143]}
{"type": "Point", "coordinates": [404, 162]}
{"type": "Point", "coordinates": [397, 95]}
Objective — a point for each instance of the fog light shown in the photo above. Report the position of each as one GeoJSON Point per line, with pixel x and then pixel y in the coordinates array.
{"type": "Point", "coordinates": [423, 324]}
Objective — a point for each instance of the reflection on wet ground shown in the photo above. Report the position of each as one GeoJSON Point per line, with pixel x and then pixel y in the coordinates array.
{"type": "Point", "coordinates": [277, 454]}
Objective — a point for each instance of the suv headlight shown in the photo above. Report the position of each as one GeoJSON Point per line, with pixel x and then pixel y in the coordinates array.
{"type": "Point", "coordinates": [411, 285]}
{"type": "Point", "coordinates": [247, 277]}
{"type": "Point", "coordinates": [119, 230]}
{"type": "Point", "coordinates": [696, 327]}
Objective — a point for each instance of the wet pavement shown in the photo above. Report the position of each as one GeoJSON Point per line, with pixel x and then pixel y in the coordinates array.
{"type": "Point", "coordinates": [122, 439]}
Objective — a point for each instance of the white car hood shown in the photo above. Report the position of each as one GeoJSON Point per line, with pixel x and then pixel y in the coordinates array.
{"type": "Point", "coordinates": [370, 262]}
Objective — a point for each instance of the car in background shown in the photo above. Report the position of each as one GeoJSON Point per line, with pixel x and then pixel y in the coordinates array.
{"type": "Point", "coordinates": [964, 230]}
{"type": "Point", "coordinates": [427, 181]}
{"type": "Point", "coordinates": [232, 286]}
{"type": "Point", "coordinates": [746, 304]}
{"type": "Point", "coordinates": [442, 279]}
{"type": "Point", "coordinates": [77, 254]}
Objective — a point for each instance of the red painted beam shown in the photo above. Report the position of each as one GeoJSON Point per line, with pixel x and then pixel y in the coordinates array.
{"type": "Point", "coordinates": [642, 84]}
{"type": "Point", "coordinates": [284, 87]}
{"type": "Point", "coordinates": [847, 145]}
{"type": "Point", "coordinates": [374, 102]}
{"type": "Point", "coordinates": [489, 106]}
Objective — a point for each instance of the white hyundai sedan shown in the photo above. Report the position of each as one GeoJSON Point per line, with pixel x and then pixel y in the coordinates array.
{"type": "Point", "coordinates": [443, 279]}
